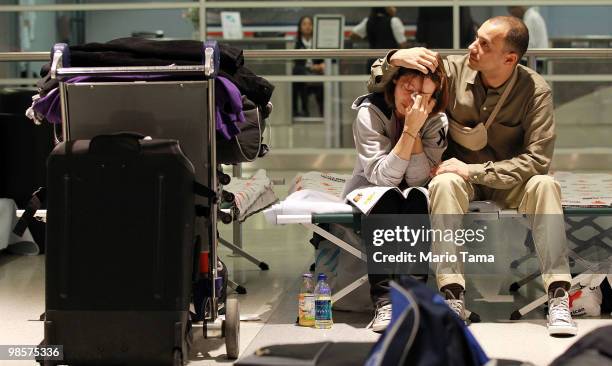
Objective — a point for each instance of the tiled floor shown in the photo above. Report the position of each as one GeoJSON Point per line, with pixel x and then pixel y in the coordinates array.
{"type": "Point", "coordinates": [272, 297]}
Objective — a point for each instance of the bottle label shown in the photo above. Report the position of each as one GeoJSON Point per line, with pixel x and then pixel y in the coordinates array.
{"type": "Point", "coordinates": [306, 309]}
{"type": "Point", "coordinates": [307, 305]}
{"type": "Point", "coordinates": [323, 309]}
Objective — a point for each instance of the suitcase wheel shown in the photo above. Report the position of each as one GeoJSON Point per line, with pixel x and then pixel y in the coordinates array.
{"type": "Point", "coordinates": [231, 328]}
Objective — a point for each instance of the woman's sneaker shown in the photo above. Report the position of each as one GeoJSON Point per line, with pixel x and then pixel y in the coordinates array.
{"type": "Point", "coordinates": [457, 305]}
{"type": "Point", "coordinates": [560, 322]}
{"type": "Point", "coordinates": [382, 317]}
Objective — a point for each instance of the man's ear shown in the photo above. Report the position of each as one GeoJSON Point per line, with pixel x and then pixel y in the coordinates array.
{"type": "Point", "coordinates": [511, 58]}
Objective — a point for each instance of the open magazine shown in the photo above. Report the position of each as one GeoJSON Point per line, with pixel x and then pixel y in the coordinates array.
{"type": "Point", "coordinates": [365, 199]}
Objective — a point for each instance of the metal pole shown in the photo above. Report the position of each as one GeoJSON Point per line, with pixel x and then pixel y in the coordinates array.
{"type": "Point", "coordinates": [532, 62]}
{"type": "Point", "coordinates": [288, 54]}
{"type": "Point", "coordinates": [64, 110]}
{"type": "Point", "coordinates": [236, 225]}
{"type": "Point", "coordinates": [327, 107]}
{"type": "Point", "coordinates": [456, 26]}
{"type": "Point", "coordinates": [336, 107]}
{"type": "Point", "coordinates": [212, 160]}
{"type": "Point", "coordinates": [202, 23]}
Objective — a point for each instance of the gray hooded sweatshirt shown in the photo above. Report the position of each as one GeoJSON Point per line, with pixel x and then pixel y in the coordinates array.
{"type": "Point", "coordinates": [376, 131]}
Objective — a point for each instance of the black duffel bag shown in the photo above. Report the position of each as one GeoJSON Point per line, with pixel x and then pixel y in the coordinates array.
{"type": "Point", "coordinates": [247, 145]}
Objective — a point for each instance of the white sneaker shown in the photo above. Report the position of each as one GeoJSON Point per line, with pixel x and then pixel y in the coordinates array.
{"type": "Point", "coordinates": [456, 305]}
{"type": "Point", "coordinates": [560, 321]}
{"type": "Point", "coordinates": [382, 317]}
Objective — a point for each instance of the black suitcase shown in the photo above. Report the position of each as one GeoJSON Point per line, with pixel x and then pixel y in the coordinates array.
{"type": "Point", "coordinates": [120, 229]}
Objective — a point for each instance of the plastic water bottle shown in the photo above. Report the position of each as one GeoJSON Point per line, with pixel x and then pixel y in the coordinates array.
{"type": "Point", "coordinates": [306, 307]}
{"type": "Point", "coordinates": [323, 305]}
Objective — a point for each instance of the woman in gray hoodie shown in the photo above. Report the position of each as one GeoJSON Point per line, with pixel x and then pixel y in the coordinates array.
{"type": "Point", "coordinates": [400, 135]}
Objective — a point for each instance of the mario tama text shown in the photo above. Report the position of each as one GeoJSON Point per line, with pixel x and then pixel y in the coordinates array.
{"type": "Point", "coordinates": [429, 257]}
{"type": "Point", "coordinates": [406, 240]}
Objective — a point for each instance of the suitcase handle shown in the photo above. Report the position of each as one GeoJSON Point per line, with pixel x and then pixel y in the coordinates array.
{"type": "Point", "coordinates": [120, 142]}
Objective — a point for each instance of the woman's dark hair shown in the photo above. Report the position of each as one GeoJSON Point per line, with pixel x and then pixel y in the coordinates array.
{"type": "Point", "coordinates": [299, 26]}
{"type": "Point", "coordinates": [438, 77]}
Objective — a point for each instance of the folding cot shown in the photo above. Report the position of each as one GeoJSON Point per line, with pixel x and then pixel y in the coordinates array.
{"type": "Point", "coordinates": [315, 199]}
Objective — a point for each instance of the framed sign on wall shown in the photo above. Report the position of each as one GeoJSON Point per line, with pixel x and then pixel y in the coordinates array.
{"type": "Point", "coordinates": [328, 31]}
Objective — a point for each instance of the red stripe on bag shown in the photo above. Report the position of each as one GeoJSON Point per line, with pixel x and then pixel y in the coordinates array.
{"type": "Point", "coordinates": [203, 262]}
{"type": "Point", "coordinates": [576, 295]}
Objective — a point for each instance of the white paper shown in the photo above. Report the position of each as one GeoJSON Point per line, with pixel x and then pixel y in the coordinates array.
{"type": "Point", "coordinates": [231, 25]}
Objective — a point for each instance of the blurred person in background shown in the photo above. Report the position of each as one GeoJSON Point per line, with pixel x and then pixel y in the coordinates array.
{"type": "Point", "coordinates": [301, 91]}
{"type": "Point", "coordinates": [27, 21]}
{"type": "Point", "coordinates": [435, 27]}
{"type": "Point", "coordinates": [538, 35]}
{"type": "Point", "coordinates": [382, 29]}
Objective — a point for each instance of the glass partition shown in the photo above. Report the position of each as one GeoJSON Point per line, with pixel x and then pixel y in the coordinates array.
{"type": "Point", "coordinates": [314, 111]}
{"type": "Point", "coordinates": [575, 26]}
{"type": "Point", "coordinates": [582, 94]}
{"type": "Point", "coordinates": [429, 23]}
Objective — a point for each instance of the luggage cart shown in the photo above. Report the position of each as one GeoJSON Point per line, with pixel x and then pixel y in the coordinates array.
{"type": "Point", "coordinates": [176, 102]}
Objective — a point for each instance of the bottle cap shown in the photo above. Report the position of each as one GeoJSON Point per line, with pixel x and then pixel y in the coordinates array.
{"type": "Point", "coordinates": [322, 277]}
{"type": "Point", "coordinates": [307, 275]}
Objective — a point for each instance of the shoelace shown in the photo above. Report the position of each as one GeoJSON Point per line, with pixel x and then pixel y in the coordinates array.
{"type": "Point", "coordinates": [559, 309]}
{"type": "Point", "coordinates": [456, 306]}
{"type": "Point", "coordinates": [383, 313]}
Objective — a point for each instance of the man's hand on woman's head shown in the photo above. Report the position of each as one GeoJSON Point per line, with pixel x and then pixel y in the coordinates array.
{"type": "Point", "coordinates": [417, 58]}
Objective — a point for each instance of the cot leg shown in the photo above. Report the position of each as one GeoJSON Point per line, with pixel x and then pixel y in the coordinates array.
{"type": "Point", "coordinates": [517, 314]}
{"type": "Point", "coordinates": [516, 285]}
{"type": "Point", "coordinates": [237, 233]}
{"type": "Point", "coordinates": [472, 317]}
{"type": "Point", "coordinates": [236, 287]}
{"type": "Point", "coordinates": [517, 262]}
{"type": "Point", "coordinates": [339, 242]}
{"type": "Point", "coordinates": [349, 288]}
{"type": "Point", "coordinates": [262, 265]}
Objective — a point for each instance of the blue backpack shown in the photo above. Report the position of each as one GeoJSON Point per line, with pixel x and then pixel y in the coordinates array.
{"type": "Point", "coordinates": [424, 331]}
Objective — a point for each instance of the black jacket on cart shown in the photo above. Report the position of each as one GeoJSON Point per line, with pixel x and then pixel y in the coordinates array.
{"type": "Point", "coordinates": [144, 52]}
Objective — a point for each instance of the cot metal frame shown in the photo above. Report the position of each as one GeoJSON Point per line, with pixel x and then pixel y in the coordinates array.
{"type": "Point", "coordinates": [479, 210]}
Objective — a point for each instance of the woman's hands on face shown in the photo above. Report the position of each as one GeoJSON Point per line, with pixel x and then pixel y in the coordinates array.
{"type": "Point", "coordinates": [417, 114]}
